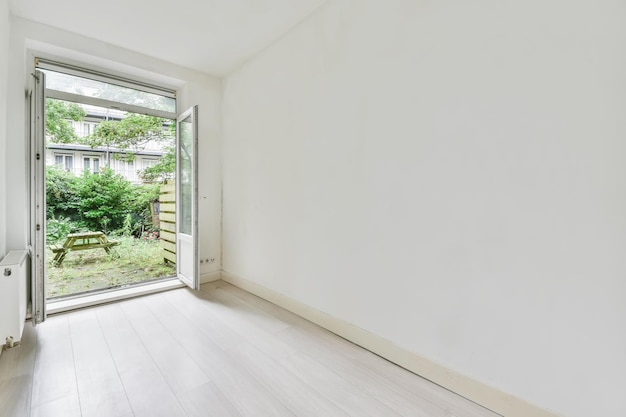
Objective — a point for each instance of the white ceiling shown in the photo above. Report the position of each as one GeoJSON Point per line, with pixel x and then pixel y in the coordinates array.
{"type": "Point", "coordinates": [212, 36]}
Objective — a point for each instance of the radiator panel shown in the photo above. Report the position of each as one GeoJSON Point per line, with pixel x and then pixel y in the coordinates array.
{"type": "Point", "coordinates": [13, 297]}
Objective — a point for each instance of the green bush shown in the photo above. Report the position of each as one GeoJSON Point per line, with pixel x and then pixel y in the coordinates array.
{"type": "Point", "coordinates": [61, 198]}
{"type": "Point", "coordinates": [102, 201]}
{"type": "Point", "coordinates": [142, 197]}
{"type": "Point", "coordinates": [127, 227]}
{"type": "Point", "coordinates": [58, 228]}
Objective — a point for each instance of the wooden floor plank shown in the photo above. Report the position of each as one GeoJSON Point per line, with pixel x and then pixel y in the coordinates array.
{"type": "Point", "coordinates": [54, 376]}
{"type": "Point", "coordinates": [248, 396]}
{"type": "Point", "coordinates": [334, 386]}
{"type": "Point", "coordinates": [297, 395]}
{"type": "Point", "coordinates": [192, 305]}
{"type": "Point", "coordinates": [178, 368]}
{"type": "Point", "coordinates": [207, 400]}
{"type": "Point", "coordinates": [136, 367]}
{"type": "Point", "coordinates": [100, 389]}
{"type": "Point", "coordinates": [16, 376]}
{"type": "Point", "coordinates": [345, 395]}
{"type": "Point", "coordinates": [246, 311]}
{"type": "Point", "coordinates": [235, 316]}
{"type": "Point", "coordinates": [393, 396]}
{"type": "Point", "coordinates": [67, 406]}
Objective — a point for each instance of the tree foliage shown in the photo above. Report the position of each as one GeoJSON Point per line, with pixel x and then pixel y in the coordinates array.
{"type": "Point", "coordinates": [98, 202]}
{"type": "Point", "coordinates": [130, 134]}
{"type": "Point", "coordinates": [103, 199]}
{"type": "Point", "coordinates": [164, 169]}
{"type": "Point", "coordinates": [60, 193]}
{"type": "Point", "coordinates": [142, 197]}
{"type": "Point", "coordinates": [58, 116]}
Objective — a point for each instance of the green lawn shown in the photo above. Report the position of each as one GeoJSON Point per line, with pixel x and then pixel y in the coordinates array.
{"type": "Point", "coordinates": [133, 261]}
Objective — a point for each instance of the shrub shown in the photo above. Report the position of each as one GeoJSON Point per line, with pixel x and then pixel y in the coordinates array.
{"type": "Point", "coordinates": [127, 227]}
{"type": "Point", "coordinates": [61, 198]}
{"type": "Point", "coordinates": [58, 228]}
{"type": "Point", "coordinates": [142, 197]}
{"type": "Point", "coordinates": [103, 200]}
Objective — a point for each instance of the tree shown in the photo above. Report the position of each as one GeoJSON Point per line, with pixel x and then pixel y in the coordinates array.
{"type": "Point", "coordinates": [58, 116]}
{"type": "Point", "coordinates": [130, 134]}
{"type": "Point", "coordinates": [61, 197]}
{"type": "Point", "coordinates": [103, 200]}
{"type": "Point", "coordinates": [141, 201]}
{"type": "Point", "coordinates": [164, 169]}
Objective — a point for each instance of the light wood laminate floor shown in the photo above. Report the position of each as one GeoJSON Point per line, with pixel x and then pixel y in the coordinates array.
{"type": "Point", "coordinates": [217, 352]}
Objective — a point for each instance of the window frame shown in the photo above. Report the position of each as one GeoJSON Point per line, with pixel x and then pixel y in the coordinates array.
{"type": "Point", "coordinates": [46, 64]}
{"type": "Point", "coordinates": [65, 156]}
{"type": "Point", "coordinates": [91, 159]}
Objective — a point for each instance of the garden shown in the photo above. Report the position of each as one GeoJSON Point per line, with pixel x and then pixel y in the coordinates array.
{"type": "Point", "coordinates": [102, 202]}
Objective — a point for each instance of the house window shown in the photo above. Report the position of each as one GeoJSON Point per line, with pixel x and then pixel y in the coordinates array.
{"type": "Point", "coordinates": [147, 163]}
{"type": "Point", "coordinates": [126, 169]}
{"type": "Point", "coordinates": [74, 126]}
{"type": "Point", "coordinates": [130, 167]}
{"type": "Point", "coordinates": [64, 161]}
{"type": "Point", "coordinates": [91, 164]}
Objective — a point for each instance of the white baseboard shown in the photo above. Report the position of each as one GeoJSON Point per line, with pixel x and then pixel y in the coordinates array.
{"type": "Point", "coordinates": [210, 277]}
{"type": "Point", "coordinates": [498, 401]}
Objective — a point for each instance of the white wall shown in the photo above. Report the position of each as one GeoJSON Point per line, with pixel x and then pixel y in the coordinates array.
{"type": "Point", "coordinates": [4, 58]}
{"type": "Point", "coordinates": [193, 88]}
{"type": "Point", "coordinates": [449, 176]}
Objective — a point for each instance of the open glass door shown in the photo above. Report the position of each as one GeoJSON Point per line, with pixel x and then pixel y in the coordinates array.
{"type": "Point", "coordinates": [187, 265]}
{"type": "Point", "coordinates": [38, 197]}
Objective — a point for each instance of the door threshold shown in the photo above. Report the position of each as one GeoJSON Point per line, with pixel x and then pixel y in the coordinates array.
{"type": "Point", "coordinates": [63, 305]}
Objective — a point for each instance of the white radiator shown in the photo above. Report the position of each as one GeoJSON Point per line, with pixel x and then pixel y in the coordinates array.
{"type": "Point", "coordinates": [13, 298]}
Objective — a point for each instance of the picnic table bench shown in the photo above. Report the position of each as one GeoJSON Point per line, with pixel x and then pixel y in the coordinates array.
{"type": "Point", "coordinates": [81, 241]}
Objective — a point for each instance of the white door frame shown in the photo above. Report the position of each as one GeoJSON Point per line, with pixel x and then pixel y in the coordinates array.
{"type": "Point", "coordinates": [38, 199]}
{"type": "Point", "coordinates": [187, 262]}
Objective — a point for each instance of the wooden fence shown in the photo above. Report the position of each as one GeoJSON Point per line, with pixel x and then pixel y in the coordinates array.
{"type": "Point", "coordinates": [167, 216]}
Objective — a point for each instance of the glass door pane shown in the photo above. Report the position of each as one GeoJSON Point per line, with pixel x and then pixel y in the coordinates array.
{"type": "Point", "coordinates": [186, 198]}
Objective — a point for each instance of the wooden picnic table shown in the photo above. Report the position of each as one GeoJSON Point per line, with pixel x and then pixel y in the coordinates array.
{"type": "Point", "coordinates": [81, 241]}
